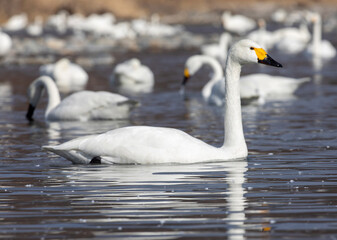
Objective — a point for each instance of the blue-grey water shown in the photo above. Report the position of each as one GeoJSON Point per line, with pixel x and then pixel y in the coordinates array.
{"type": "Point", "coordinates": [285, 189]}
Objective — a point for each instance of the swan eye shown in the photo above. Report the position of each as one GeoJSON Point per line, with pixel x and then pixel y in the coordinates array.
{"type": "Point", "coordinates": [251, 48]}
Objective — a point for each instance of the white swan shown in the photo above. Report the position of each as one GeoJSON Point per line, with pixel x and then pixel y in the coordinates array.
{"type": "Point", "coordinates": [132, 76]}
{"type": "Point", "coordinates": [237, 23]}
{"type": "Point", "coordinates": [291, 40]}
{"type": "Point", "coordinates": [68, 76]}
{"type": "Point", "coordinates": [319, 48]}
{"type": "Point", "coordinates": [80, 106]}
{"type": "Point", "coordinates": [218, 50]}
{"type": "Point", "coordinates": [252, 87]}
{"type": "Point", "coordinates": [214, 91]}
{"type": "Point", "coordinates": [155, 145]}
{"type": "Point", "coordinates": [5, 43]}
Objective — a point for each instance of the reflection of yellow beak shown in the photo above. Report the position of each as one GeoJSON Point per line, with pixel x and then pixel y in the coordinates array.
{"type": "Point", "coordinates": [186, 73]}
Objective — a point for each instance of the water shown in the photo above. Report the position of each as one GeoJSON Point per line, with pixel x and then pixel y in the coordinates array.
{"type": "Point", "coordinates": [286, 189]}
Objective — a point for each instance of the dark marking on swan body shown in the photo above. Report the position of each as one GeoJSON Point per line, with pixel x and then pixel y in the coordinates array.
{"type": "Point", "coordinates": [96, 160]}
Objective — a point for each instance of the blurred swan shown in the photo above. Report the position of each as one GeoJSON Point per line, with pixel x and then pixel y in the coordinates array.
{"type": "Point", "coordinates": [218, 50]}
{"type": "Point", "coordinates": [68, 76]}
{"type": "Point", "coordinates": [261, 35]}
{"type": "Point", "coordinates": [319, 48]}
{"type": "Point", "coordinates": [237, 23]}
{"type": "Point", "coordinates": [16, 22]}
{"type": "Point", "coordinates": [5, 43]}
{"type": "Point", "coordinates": [155, 145]}
{"type": "Point", "coordinates": [292, 40]}
{"type": "Point", "coordinates": [36, 28]}
{"type": "Point", "coordinates": [265, 86]}
{"type": "Point", "coordinates": [132, 76]}
{"type": "Point", "coordinates": [80, 106]}
{"type": "Point", "coordinates": [257, 86]}
{"type": "Point", "coordinates": [214, 91]}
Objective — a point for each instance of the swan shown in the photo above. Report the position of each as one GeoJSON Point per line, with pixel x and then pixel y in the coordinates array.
{"type": "Point", "coordinates": [158, 145]}
{"type": "Point", "coordinates": [218, 50]}
{"type": "Point", "coordinates": [319, 48]}
{"type": "Point", "coordinates": [16, 22]}
{"type": "Point", "coordinates": [237, 23]}
{"type": "Point", "coordinates": [291, 40]}
{"type": "Point", "coordinates": [68, 76]}
{"type": "Point", "coordinates": [214, 91]}
{"type": "Point", "coordinates": [80, 106]}
{"type": "Point", "coordinates": [261, 35]}
{"type": "Point", "coordinates": [5, 43]}
{"type": "Point", "coordinates": [257, 86]}
{"type": "Point", "coordinates": [132, 76]}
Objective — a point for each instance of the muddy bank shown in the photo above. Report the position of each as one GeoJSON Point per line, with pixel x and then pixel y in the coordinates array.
{"type": "Point", "coordinates": [171, 11]}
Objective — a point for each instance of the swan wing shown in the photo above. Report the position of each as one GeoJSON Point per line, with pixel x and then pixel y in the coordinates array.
{"type": "Point", "coordinates": [88, 105]}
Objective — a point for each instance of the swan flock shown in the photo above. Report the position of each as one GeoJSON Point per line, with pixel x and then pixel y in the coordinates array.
{"type": "Point", "coordinates": [159, 145]}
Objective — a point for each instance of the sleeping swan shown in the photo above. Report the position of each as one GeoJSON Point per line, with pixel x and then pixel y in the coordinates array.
{"type": "Point", "coordinates": [80, 106]}
{"type": "Point", "coordinates": [157, 145]}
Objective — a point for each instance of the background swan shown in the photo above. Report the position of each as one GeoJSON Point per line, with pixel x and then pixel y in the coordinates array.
{"type": "Point", "coordinates": [80, 106]}
{"type": "Point", "coordinates": [237, 23]}
{"type": "Point", "coordinates": [68, 76]}
{"type": "Point", "coordinates": [252, 87]}
{"type": "Point", "coordinates": [132, 76]}
{"type": "Point", "coordinates": [5, 43]}
{"type": "Point", "coordinates": [214, 91]}
{"type": "Point", "coordinates": [318, 47]}
{"type": "Point", "coordinates": [153, 145]}
{"type": "Point", "coordinates": [218, 50]}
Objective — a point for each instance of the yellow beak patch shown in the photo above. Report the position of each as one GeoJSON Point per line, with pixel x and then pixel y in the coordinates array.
{"type": "Point", "coordinates": [260, 53]}
{"type": "Point", "coordinates": [186, 73]}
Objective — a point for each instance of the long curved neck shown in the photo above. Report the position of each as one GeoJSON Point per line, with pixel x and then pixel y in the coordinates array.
{"type": "Point", "coordinates": [317, 35]}
{"type": "Point", "coordinates": [52, 92]}
{"type": "Point", "coordinates": [232, 120]}
{"type": "Point", "coordinates": [217, 74]}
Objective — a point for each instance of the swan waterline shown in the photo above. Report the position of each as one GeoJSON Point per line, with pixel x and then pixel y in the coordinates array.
{"type": "Point", "coordinates": [159, 145]}
{"type": "Point", "coordinates": [80, 106]}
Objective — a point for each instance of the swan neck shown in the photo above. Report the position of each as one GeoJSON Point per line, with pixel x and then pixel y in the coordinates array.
{"type": "Point", "coordinates": [234, 136]}
{"type": "Point", "coordinates": [217, 75]}
{"type": "Point", "coordinates": [52, 92]}
{"type": "Point", "coordinates": [317, 35]}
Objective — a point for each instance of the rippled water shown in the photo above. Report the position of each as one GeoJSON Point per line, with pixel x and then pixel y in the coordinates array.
{"type": "Point", "coordinates": [286, 189]}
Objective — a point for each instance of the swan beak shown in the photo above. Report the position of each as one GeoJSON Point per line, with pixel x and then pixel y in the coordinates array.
{"type": "Point", "coordinates": [186, 77]}
{"type": "Point", "coordinates": [30, 113]}
{"type": "Point", "coordinates": [185, 80]}
{"type": "Point", "coordinates": [264, 58]}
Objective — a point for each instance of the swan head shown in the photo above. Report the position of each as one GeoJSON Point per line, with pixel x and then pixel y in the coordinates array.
{"type": "Point", "coordinates": [192, 65]}
{"type": "Point", "coordinates": [247, 51]}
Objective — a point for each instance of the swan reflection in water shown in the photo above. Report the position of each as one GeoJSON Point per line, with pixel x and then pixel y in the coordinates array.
{"type": "Point", "coordinates": [175, 197]}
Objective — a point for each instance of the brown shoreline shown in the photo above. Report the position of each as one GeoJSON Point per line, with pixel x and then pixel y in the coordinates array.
{"type": "Point", "coordinates": [172, 10]}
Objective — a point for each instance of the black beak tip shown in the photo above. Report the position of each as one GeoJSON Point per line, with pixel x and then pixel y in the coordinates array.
{"type": "Point", "coordinates": [30, 112]}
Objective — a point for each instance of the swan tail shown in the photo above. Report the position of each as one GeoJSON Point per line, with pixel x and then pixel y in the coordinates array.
{"type": "Point", "coordinates": [74, 156]}
{"type": "Point", "coordinates": [131, 103]}
{"type": "Point", "coordinates": [304, 80]}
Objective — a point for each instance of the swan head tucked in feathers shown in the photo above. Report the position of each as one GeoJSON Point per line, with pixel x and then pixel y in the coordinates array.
{"type": "Point", "coordinates": [247, 51]}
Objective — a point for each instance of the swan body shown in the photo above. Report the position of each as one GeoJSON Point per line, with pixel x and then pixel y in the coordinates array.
{"type": "Point", "coordinates": [318, 47]}
{"type": "Point", "coordinates": [237, 23]}
{"type": "Point", "coordinates": [67, 76]}
{"type": "Point", "coordinates": [218, 50]}
{"type": "Point", "coordinates": [291, 40]}
{"type": "Point", "coordinates": [157, 145]}
{"type": "Point", "coordinates": [132, 76]}
{"type": "Point", "coordinates": [5, 43]}
{"type": "Point", "coordinates": [264, 86]}
{"type": "Point", "coordinates": [80, 106]}
{"type": "Point", "coordinates": [16, 22]}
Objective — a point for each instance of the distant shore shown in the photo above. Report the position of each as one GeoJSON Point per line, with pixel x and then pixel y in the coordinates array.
{"type": "Point", "coordinates": [174, 11]}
